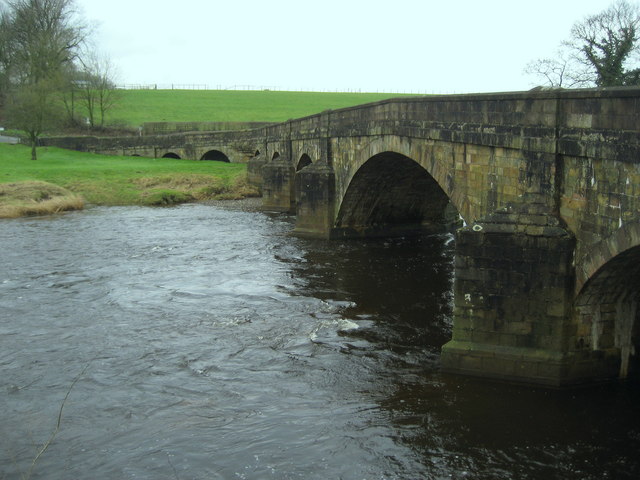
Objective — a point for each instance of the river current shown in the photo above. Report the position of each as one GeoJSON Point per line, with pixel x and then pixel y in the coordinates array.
{"type": "Point", "coordinates": [205, 342]}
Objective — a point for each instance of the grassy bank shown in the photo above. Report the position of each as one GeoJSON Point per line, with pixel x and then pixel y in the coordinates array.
{"type": "Point", "coordinates": [109, 180]}
{"type": "Point", "coordinates": [36, 198]}
{"type": "Point", "coordinates": [139, 106]}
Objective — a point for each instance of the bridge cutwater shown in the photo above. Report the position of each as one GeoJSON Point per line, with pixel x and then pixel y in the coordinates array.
{"type": "Point", "coordinates": [543, 188]}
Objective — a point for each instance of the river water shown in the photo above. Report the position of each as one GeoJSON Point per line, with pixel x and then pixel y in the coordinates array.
{"type": "Point", "coordinates": [205, 342]}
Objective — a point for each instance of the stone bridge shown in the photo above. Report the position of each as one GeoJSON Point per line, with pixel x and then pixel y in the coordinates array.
{"type": "Point", "coordinates": [542, 186]}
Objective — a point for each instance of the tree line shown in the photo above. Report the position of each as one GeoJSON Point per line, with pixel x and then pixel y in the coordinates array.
{"type": "Point", "coordinates": [52, 77]}
{"type": "Point", "coordinates": [603, 50]}
{"type": "Point", "coordinates": [50, 74]}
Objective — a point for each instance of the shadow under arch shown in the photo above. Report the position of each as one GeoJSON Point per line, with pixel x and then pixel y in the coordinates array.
{"type": "Point", "coordinates": [623, 239]}
{"type": "Point", "coordinates": [607, 315]}
{"type": "Point", "coordinates": [216, 156]}
{"type": "Point", "coordinates": [393, 195]}
{"type": "Point", "coordinates": [305, 161]}
{"type": "Point", "coordinates": [171, 155]}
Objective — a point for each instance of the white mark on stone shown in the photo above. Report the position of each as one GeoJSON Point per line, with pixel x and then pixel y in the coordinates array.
{"type": "Point", "coordinates": [477, 228]}
{"type": "Point", "coordinates": [467, 297]}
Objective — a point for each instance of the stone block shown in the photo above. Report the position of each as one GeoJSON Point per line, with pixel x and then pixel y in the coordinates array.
{"type": "Point", "coordinates": [470, 363]}
{"type": "Point", "coordinates": [278, 186]}
{"type": "Point", "coordinates": [499, 367]}
{"type": "Point", "coordinates": [525, 341]}
{"type": "Point", "coordinates": [518, 328]}
{"type": "Point", "coordinates": [507, 340]}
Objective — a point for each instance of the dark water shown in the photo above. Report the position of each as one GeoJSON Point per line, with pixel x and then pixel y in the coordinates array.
{"type": "Point", "coordinates": [209, 344]}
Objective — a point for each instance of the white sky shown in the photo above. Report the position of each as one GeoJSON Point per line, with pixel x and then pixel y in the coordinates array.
{"type": "Point", "coordinates": [443, 46]}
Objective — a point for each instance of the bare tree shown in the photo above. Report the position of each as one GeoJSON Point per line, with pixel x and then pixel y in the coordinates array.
{"type": "Point", "coordinates": [40, 42]}
{"type": "Point", "coordinates": [559, 72]}
{"type": "Point", "coordinates": [97, 88]}
{"type": "Point", "coordinates": [5, 64]}
{"type": "Point", "coordinates": [605, 42]}
{"type": "Point", "coordinates": [31, 108]}
{"type": "Point", "coordinates": [42, 37]}
{"type": "Point", "coordinates": [70, 97]}
{"type": "Point", "coordinates": [601, 51]}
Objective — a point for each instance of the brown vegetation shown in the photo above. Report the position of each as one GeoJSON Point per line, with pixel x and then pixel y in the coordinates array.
{"type": "Point", "coordinates": [36, 198]}
{"type": "Point", "coordinates": [178, 188]}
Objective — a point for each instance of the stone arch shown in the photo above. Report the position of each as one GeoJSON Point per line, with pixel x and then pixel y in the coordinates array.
{"type": "Point", "coordinates": [439, 161]}
{"type": "Point", "coordinates": [275, 155]}
{"type": "Point", "coordinates": [624, 238]}
{"type": "Point", "coordinates": [305, 161]}
{"type": "Point", "coordinates": [216, 156]}
{"type": "Point", "coordinates": [171, 155]}
{"type": "Point", "coordinates": [606, 307]}
{"type": "Point", "coordinates": [391, 194]}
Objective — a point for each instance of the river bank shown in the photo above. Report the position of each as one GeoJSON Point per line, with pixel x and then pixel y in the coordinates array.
{"type": "Point", "coordinates": [110, 180]}
{"type": "Point", "coordinates": [36, 198]}
{"type": "Point", "coordinates": [40, 198]}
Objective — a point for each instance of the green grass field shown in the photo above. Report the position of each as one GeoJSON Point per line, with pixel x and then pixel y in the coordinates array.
{"type": "Point", "coordinates": [139, 106]}
{"type": "Point", "coordinates": [113, 180]}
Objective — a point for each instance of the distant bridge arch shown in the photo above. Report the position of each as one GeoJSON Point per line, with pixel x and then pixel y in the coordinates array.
{"type": "Point", "coordinates": [171, 155]}
{"type": "Point", "coordinates": [216, 156]}
{"type": "Point", "coordinates": [304, 161]}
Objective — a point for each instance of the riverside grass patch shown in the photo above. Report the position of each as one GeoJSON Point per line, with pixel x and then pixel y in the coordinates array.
{"type": "Point", "coordinates": [116, 180]}
{"type": "Point", "coordinates": [36, 198]}
{"type": "Point", "coordinates": [136, 107]}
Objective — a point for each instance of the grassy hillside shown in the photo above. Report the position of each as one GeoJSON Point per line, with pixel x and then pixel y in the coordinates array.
{"type": "Point", "coordinates": [139, 106]}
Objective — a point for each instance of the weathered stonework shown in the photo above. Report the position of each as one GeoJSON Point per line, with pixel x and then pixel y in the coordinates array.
{"type": "Point", "coordinates": [165, 128]}
{"type": "Point", "coordinates": [513, 279]}
{"type": "Point", "coordinates": [548, 269]}
{"type": "Point", "coordinates": [254, 170]}
{"type": "Point", "coordinates": [315, 194]}
{"type": "Point", "coordinates": [278, 187]}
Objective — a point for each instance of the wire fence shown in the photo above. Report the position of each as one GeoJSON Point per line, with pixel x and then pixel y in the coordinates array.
{"type": "Point", "coordinates": [198, 86]}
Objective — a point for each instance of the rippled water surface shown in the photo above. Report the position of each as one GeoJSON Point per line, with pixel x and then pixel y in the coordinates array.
{"type": "Point", "coordinates": [207, 343]}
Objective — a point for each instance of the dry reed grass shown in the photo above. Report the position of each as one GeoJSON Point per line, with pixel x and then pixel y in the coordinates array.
{"type": "Point", "coordinates": [36, 198]}
{"type": "Point", "coordinates": [198, 187]}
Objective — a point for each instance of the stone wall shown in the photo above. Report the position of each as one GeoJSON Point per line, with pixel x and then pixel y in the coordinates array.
{"type": "Point", "coordinates": [165, 128]}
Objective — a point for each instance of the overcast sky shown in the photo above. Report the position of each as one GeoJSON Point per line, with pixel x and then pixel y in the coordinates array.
{"type": "Point", "coordinates": [443, 46]}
